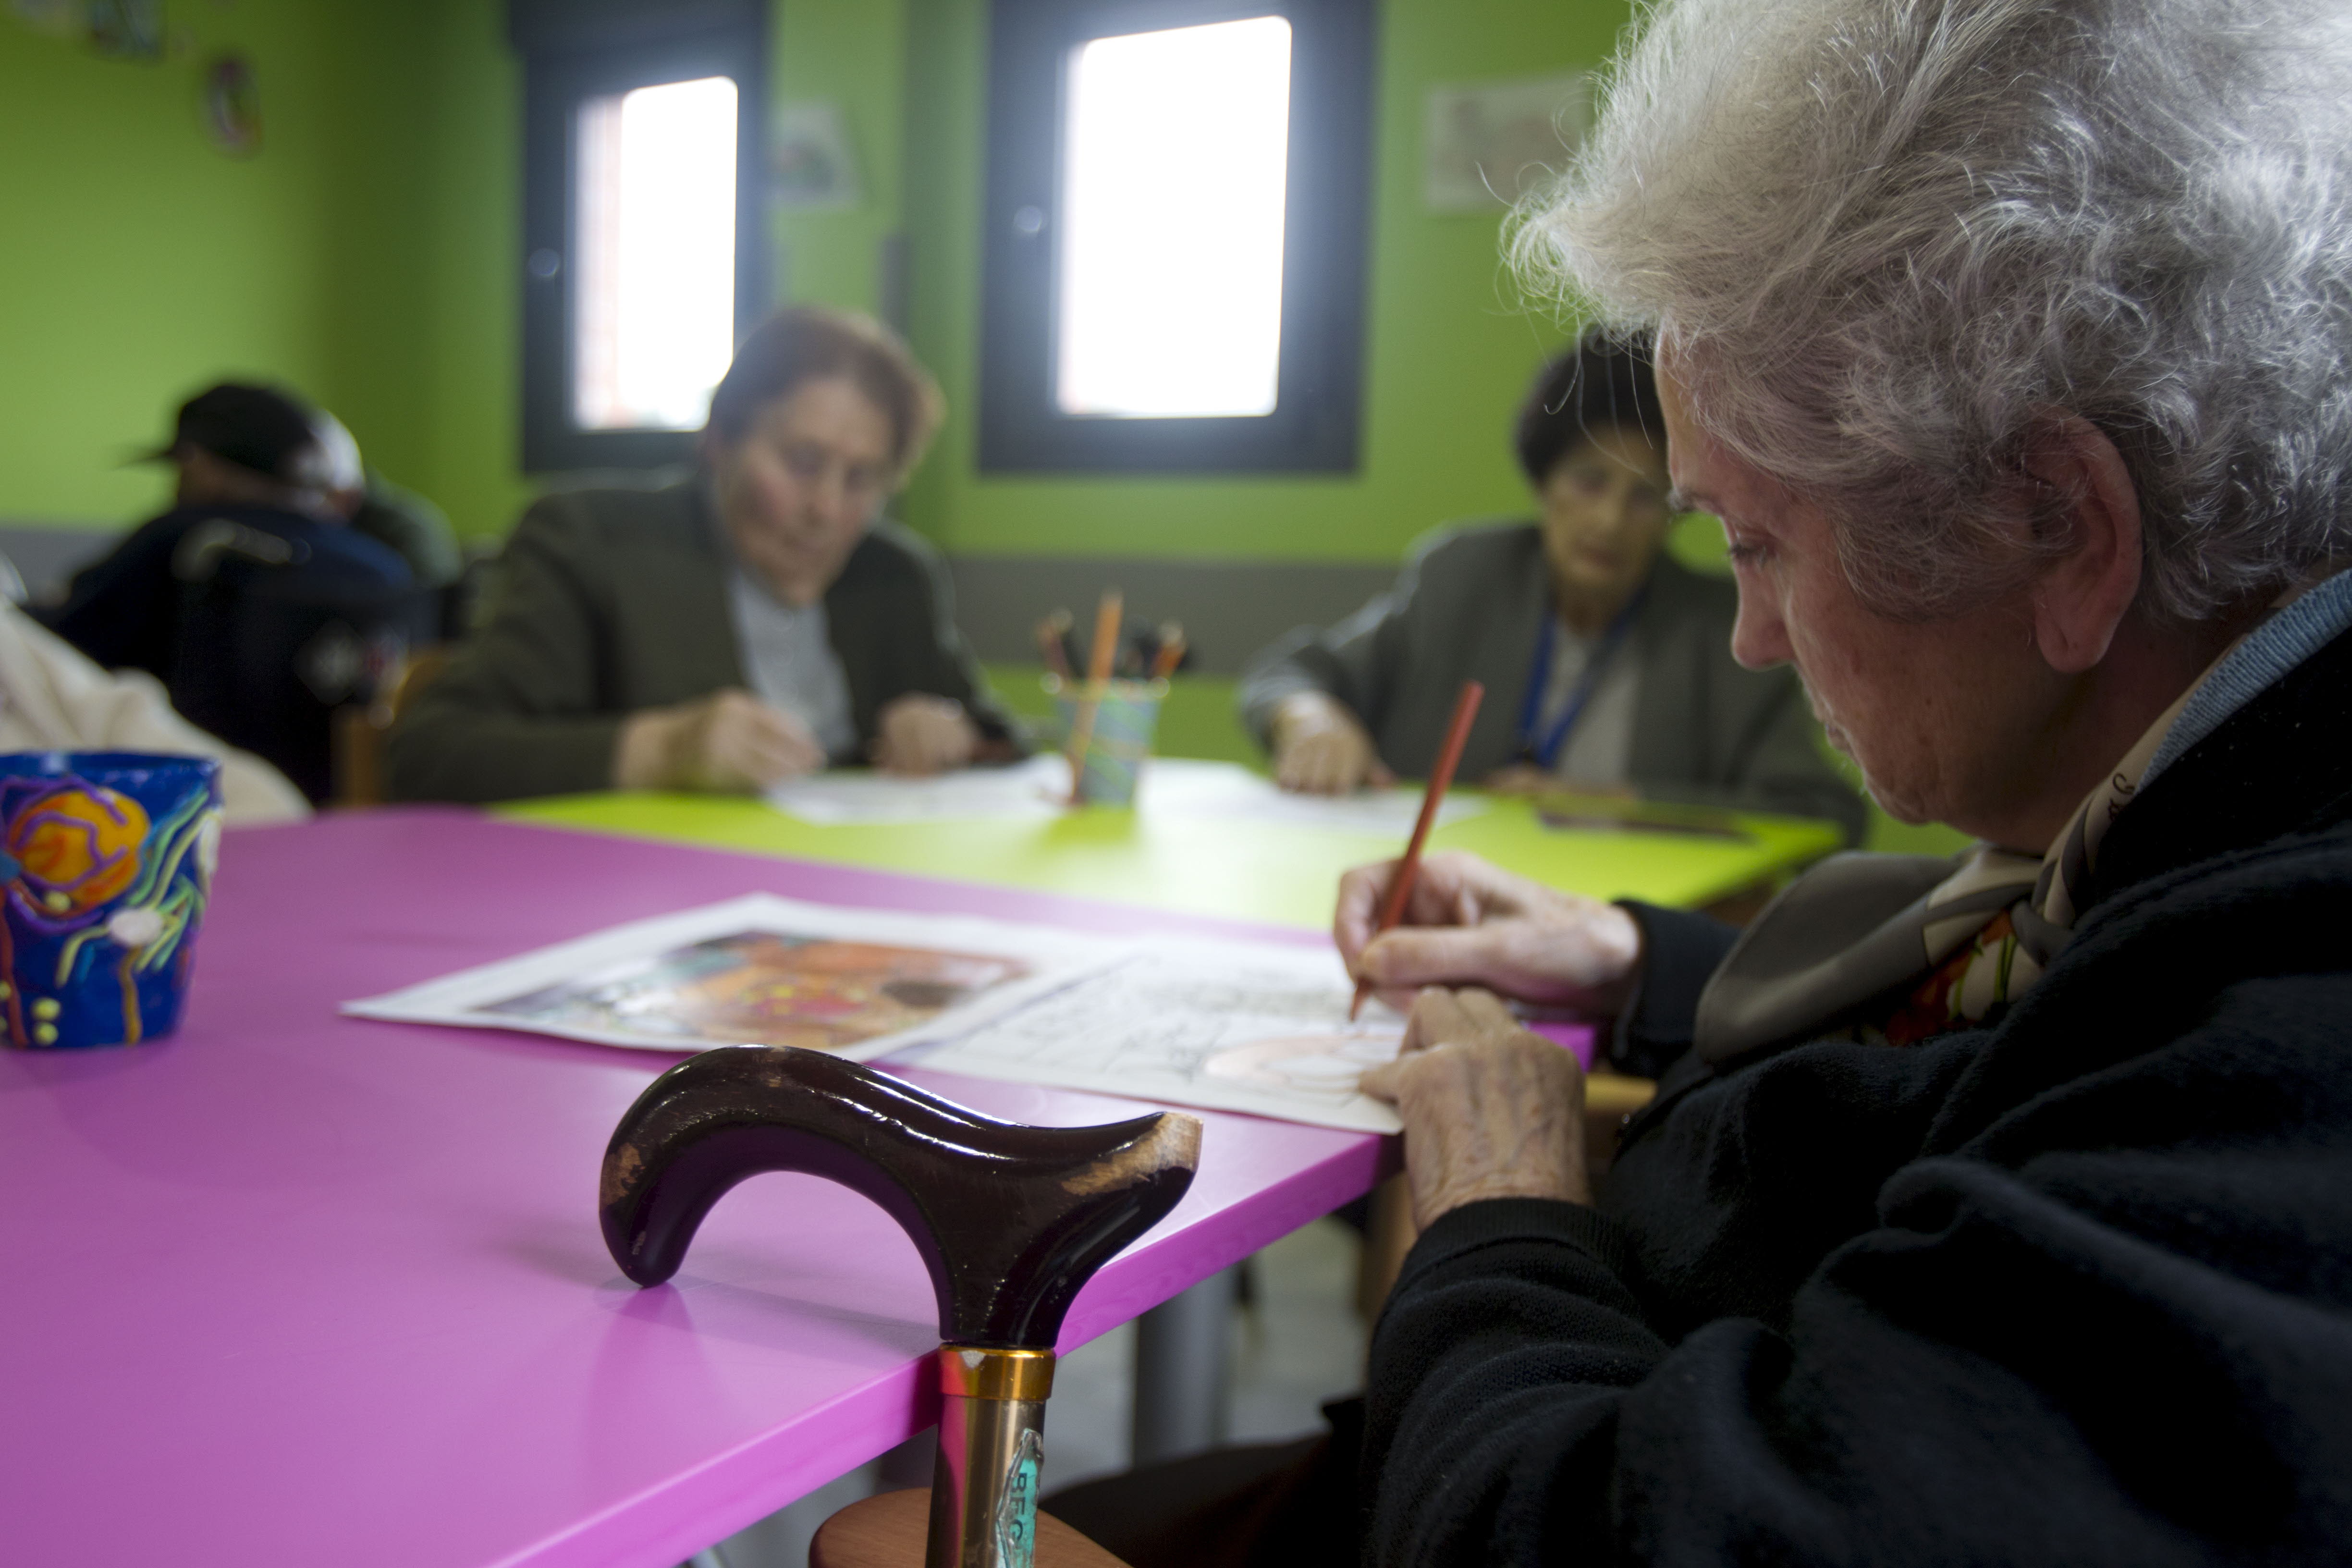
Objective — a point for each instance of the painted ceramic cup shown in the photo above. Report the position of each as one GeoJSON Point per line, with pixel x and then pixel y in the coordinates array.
{"type": "Point", "coordinates": [1124, 723]}
{"type": "Point", "coordinates": [108, 861]}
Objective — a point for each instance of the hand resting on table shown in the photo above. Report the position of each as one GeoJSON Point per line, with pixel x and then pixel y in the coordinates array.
{"type": "Point", "coordinates": [1490, 1110]}
{"type": "Point", "coordinates": [727, 742]}
{"type": "Point", "coordinates": [1321, 747]}
{"type": "Point", "coordinates": [922, 734]}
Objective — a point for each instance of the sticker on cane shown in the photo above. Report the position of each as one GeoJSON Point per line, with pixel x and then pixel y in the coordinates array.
{"type": "Point", "coordinates": [1017, 1510]}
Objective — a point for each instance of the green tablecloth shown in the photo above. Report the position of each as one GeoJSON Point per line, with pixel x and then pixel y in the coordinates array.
{"type": "Point", "coordinates": [1242, 870]}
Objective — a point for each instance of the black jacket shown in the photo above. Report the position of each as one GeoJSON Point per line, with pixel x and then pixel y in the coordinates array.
{"type": "Point", "coordinates": [261, 622]}
{"type": "Point", "coordinates": [2074, 1289]}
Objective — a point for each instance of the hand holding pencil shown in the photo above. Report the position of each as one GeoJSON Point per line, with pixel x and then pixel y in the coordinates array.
{"type": "Point", "coordinates": [1440, 776]}
{"type": "Point", "coordinates": [1456, 920]}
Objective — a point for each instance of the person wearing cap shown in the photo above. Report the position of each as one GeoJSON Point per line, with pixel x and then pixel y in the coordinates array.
{"type": "Point", "coordinates": [255, 506]}
{"type": "Point", "coordinates": [1607, 665]}
{"type": "Point", "coordinates": [757, 620]}
{"type": "Point", "coordinates": [383, 511]}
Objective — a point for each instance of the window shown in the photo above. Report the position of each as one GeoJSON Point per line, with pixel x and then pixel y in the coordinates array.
{"type": "Point", "coordinates": [640, 272]}
{"type": "Point", "coordinates": [652, 315]}
{"type": "Point", "coordinates": [1174, 250]}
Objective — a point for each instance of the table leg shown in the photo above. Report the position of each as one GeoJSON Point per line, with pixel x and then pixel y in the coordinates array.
{"type": "Point", "coordinates": [1181, 1350]}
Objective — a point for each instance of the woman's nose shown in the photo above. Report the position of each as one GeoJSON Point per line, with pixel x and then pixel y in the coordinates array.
{"type": "Point", "coordinates": [1760, 637]}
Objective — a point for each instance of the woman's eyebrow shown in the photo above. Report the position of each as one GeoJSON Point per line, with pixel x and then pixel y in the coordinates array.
{"type": "Point", "coordinates": [1680, 499]}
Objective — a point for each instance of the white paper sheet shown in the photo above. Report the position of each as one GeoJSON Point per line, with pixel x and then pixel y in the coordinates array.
{"type": "Point", "coordinates": [1183, 786]}
{"type": "Point", "coordinates": [859, 983]}
{"type": "Point", "coordinates": [1236, 1026]}
{"type": "Point", "coordinates": [1038, 790]}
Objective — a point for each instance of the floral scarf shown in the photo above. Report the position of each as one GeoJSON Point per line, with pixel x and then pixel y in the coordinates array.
{"type": "Point", "coordinates": [1954, 945]}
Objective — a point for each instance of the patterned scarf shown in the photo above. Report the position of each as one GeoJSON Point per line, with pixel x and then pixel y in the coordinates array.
{"type": "Point", "coordinates": [1953, 945]}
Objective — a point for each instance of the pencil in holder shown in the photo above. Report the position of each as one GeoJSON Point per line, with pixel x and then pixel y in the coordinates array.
{"type": "Point", "coordinates": [1117, 734]}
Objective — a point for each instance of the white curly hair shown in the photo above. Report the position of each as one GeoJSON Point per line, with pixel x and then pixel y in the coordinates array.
{"type": "Point", "coordinates": [1891, 236]}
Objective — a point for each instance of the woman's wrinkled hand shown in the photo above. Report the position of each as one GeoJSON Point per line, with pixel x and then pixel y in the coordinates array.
{"type": "Point", "coordinates": [728, 742]}
{"type": "Point", "coordinates": [1490, 1110]}
{"type": "Point", "coordinates": [920, 734]}
{"type": "Point", "coordinates": [1469, 922]}
{"type": "Point", "coordinates": [1321, 747]}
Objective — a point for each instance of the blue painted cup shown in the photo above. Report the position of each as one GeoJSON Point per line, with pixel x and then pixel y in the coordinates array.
{"type": "Point", "coordinates": [1125, 720]}
{"type": "Point", "coordinates": [106, 863]}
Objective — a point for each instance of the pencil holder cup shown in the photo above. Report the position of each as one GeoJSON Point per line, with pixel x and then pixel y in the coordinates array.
{"type": "Point", "coordinates": [106, 863]}
{"type": "Point", "coordinates": [1117, 737]}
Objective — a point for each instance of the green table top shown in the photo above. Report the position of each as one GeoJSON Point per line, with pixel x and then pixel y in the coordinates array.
{"type": "Point", "coordinates": [1240, 870]}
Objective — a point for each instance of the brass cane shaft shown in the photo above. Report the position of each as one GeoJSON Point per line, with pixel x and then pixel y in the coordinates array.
{"type": "Point", "coordinates": [991, 1442]}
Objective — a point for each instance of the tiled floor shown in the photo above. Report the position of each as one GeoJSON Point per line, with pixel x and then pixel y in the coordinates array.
{"type": "Point", "coordinates": [1297, 1345]}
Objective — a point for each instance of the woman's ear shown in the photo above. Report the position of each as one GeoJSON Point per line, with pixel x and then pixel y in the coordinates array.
{"type": "Point", "coordinates": [2081, 598]}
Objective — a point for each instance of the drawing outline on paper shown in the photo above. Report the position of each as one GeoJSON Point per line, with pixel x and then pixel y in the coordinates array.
{"type": "Point", "coordinates": [1229, 1025]}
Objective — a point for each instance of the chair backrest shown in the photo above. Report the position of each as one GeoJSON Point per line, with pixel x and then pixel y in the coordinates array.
{"type": "Point", "coordinates": [891, 1530]}
{"type": "Point", "coordinates": [276, 637]}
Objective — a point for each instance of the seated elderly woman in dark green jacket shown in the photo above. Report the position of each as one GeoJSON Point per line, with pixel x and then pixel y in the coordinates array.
{"type": "Point", "coordinates": [756, 622]}
{"type": "Point", "coordinates": [1607, 666]}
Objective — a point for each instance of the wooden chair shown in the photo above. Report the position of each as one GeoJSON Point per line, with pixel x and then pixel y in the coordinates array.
{"type": "Point", "coordinates": [361, 729]}
{"type": "Point", "coordinates": [891, 1529]}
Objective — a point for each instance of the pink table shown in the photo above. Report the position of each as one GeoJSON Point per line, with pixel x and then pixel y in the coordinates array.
{"type": "Point", "coordinates": [299, 1288]}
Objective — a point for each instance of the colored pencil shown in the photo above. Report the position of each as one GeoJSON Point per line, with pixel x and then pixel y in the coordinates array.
{"type": "Point", "coordinates": [1171, 651]}
{"type": "Point", "coordinates": [1465, 709]}
{"type": "Point", "coordinates": [1099, 660]}
{"type": "Point", "coordinates": [1050, 633]}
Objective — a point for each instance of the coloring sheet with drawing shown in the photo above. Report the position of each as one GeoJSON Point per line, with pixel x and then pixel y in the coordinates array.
{"type": "Point", "coordinates": [1257, 1027]}
{"type": "Point", "coordinates": [761, 970]}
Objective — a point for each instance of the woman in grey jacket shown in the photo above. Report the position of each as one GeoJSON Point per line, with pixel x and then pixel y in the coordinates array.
{"type": "Point", "coordinates": [1608, 668]}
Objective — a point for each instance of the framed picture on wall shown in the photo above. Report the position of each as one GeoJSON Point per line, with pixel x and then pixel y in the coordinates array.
{"type": "Point", "coordinates": [811, 165]}
{"type": "Point", "coordinates": [1487, 144]}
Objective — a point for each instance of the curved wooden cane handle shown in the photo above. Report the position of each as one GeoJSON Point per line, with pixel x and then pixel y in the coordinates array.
{"type": "Point", "coordinates": [1011, 1220]}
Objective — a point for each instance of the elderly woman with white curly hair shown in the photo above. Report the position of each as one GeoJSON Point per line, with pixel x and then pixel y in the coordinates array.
{"type": "Point", "coordinates": [1997, 1209]}
{"type": "Point", "coordinates": [1990, 1210]}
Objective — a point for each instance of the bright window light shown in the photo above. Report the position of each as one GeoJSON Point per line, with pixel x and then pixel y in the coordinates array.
{"type": "Point", "coordinates": [653, 323]}
{"type": "Point", "coordinates": [1174, 155]}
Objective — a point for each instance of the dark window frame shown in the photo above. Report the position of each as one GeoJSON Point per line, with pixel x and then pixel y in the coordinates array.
{"type": "Point", "coordinates": [581, 51]}
{"type": "Point", "coordinates": [1314, 428]}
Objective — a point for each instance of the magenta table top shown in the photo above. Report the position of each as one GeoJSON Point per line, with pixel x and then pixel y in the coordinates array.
{"type": "Point", "coordinates": [294, 1288]}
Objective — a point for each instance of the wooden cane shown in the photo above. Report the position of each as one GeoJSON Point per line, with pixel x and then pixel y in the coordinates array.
{"type": "Point", "coordinates": [1011, 1221]}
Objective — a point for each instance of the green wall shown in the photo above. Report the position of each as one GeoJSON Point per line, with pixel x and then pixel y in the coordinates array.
{"type": "Point", "coordinates": [366, 255]}
{"type": "Point", "coordinates": [853, 52]}
{"type": "Point", "coordinates": [470, 105]}
{"type": "Point", "coordinates": [138, 262]}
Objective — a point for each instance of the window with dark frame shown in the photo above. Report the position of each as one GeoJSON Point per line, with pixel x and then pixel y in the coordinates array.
{"type": "Point", "coordinates": [1174, 249]}
{"type": "Point", "coordinates": [642, 264]}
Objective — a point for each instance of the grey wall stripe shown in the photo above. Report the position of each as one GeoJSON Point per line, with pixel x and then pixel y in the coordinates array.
{"type": "Point", "coordinates": [1230, 608]}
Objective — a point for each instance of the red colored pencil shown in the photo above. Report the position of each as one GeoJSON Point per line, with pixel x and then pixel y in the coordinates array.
{"type": "Point", "coordinates": [1465, 709]}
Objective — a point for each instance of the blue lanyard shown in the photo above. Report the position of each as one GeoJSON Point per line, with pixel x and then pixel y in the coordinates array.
{"type": "Point", "coordinates": [1544, 750]}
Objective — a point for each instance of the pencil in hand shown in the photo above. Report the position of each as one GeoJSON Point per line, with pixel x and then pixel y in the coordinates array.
{"type": "Point", "coordinates": [1449, 755]}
